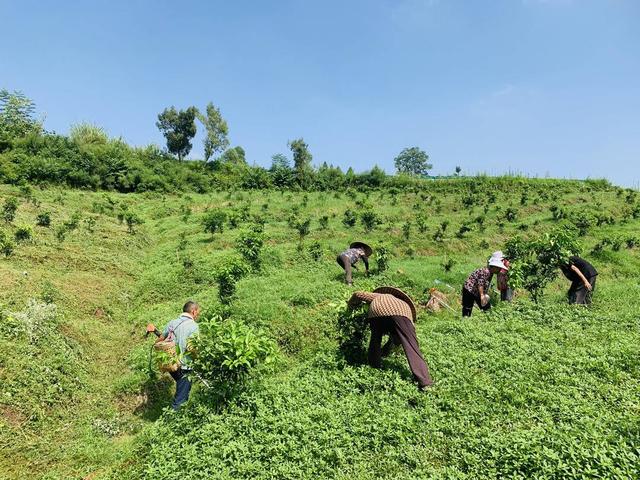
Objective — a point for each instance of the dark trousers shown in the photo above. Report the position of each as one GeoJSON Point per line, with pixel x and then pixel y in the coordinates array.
{"type": "Point", "coordinates": [468, 299]}
{"type": "Point", "coordinates": [579, 295]}
{"type": "Point", "coordinates": [345, 263]}
{"type": "Point", "coordinates": [506, 295]}
{"type": "Point", "coordinates": [183, 387]}
{"type": "Point", "coordinates": [402, 332]}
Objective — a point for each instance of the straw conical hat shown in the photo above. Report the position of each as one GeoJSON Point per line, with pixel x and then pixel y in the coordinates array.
{"type": "Point", "coordinates": [367, 249]}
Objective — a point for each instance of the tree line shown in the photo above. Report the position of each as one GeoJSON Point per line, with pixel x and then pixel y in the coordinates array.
{"type": "Point", "coordinates": [89, 158]}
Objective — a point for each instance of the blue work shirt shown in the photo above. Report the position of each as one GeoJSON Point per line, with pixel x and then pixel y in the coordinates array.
{"type": "Point", "coordinates": [183, 327]}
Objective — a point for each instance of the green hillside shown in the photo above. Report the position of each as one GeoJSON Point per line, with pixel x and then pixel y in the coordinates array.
{"type": "Point", "coordinates": [529, 390]}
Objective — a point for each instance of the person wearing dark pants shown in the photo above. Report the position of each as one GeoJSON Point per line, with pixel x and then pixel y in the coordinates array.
{"type": "Point", "coordinates": [476, 287]}
{"type": "Point", "coordinates": [348, 259]}
{"type": "Point", "coordinates": [583, 280]}
{"type": "Point", "coordinates": [179, 331]}
{"type": "Point", "coordinates": [468, 301]}
{"type": "Point", "coordinates": [392, 312]}
{"type": "Point", "coordinates": [183, 387]}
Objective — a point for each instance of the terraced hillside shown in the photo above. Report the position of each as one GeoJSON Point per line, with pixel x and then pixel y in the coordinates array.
{"type": "Point", "coordinates": [529, 390]}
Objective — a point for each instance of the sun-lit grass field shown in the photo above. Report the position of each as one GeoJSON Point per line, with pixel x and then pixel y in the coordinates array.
{"type": "Point", "coordinates": [529, 390]}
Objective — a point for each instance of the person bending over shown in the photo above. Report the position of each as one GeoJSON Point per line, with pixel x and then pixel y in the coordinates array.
{"type": "Point", "coordinates": [349, 258]}
{"type": "Point", "coordinates": [476, 288]}
{"type": "Point", "coordinates": [583, 280]}
{"type": "Point", "coordinates": [392, 312]}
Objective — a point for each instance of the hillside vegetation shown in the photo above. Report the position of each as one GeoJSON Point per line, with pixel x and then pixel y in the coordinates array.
{"type": "Point", "coordinates": [529, 390]}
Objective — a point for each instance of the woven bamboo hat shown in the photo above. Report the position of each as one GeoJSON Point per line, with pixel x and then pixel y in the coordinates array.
{"type": "Point", "coordinates": [396, 292]}
{"type": "Point", "coordinates": [367, 249]}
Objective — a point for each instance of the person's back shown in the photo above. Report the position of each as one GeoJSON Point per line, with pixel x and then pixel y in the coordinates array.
{"type": "Point", "coordinates": [182, 327]}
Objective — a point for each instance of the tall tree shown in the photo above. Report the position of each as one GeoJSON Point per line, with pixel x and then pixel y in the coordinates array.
{"type": "Point", "coordinates": [179, 128]}
{"type": "Point", "coordinates": [217, 130]}
{"type": "Point", "coordinates": [17, 115]}
{"type": "Point", "coordinates": [301, 161]}
{"type": "Point", "coordinates": [413, 161]}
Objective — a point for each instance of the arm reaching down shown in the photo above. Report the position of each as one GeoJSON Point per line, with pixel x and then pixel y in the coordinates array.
{"type": "Point", "coordinates": [584, 280]}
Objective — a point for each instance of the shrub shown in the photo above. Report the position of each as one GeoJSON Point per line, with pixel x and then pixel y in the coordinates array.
{"type": "Point", "coordinates": [535, 262]}
{"type": "Point", "coordinates": [227, 277]}
{"type": "Point", "coordinates": [9, 209]}
{"type": "Point", "coordinates": [353, 332]}
{"type": "Point", "coordinates": [406, 230]}
{"type": "Point", "coordinates": [510, 214]}
{"type": "Point", "coordinates": [132, 221]}
{"type": "Point", "coordinates": [73, 222]}
{"type": "Point", "coordinates": [23, 234]}
{"type": "Point", "coordinates": [370, 220]}
{"type": "Point", "coordinates": [315, 250]}
{"type": "Point", "coordinates": [6, 245]}
{"type": "Point", "coordinates": [464, 228]}
{"type": "Point", "coordinates": [324, 222]}
{"type": "Point", "coordinates": [349, 219]}
{"type": "Point", "coordinates": [90, 223]}
{"type": "Point", "coordinates": [249, 245]}
{"type": "Point", "coordinates": [421, 222]}
{"type": "Point", "coordinates": [447, 264]}
{"type": "Point", "coordinates": [383, 256]}
{"type": "Point", "coordinates": [213, 221]}
{"type": "Point", "coordinates": [43, 219]}
{"type": "Point", "coordinates": [225, 352]}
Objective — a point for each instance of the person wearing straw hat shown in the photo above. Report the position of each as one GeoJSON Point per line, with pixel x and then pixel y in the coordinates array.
{"type": "Point", "coordinates": [476, 287]}
{"type": "Point", "coordinates": [392, 312]}
{"type": "Point", "coordinates": [349, 258]}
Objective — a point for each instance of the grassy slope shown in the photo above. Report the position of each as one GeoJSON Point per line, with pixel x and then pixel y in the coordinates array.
{"type": "Point", "coordinates": [509, 385]}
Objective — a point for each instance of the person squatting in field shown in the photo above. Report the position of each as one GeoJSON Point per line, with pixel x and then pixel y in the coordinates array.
{"type": "Point", "coordinates": [392, 312]}
{"type": "Point", "coordinates": [179, 331]}
{"type": "Point", "coordinates": [475, 289]}
{"type": "Point", "coordinates": [583, 280]}
{"type": "Point", "coordinates": [349, 258]}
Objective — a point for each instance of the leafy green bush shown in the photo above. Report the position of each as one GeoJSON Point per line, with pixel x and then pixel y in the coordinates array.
{"type": "Point", "coordinates": [249, 245]}
{"type": "Point", "coordinates": [213, 221]}
{"type": "Point", "coordinates": [352, 328]}
{"type": "Point", "coordinates": [383, 256]}
{"type": "Point", "coordinates": [324, 222]}
{"type": "Point", "coordinates": [43, 219]}
{"type": "Point", "coordinates": [228, 276]}
{"type": "Point", "coordinates": [315, 250]}
{"type": "Point", "coordinates": [535, 262]}
{"type": "Point", "coordinates": [23, 234]}
{"type": "Point", "coordinates": [9, 209]}
{"type": "Point", "coordinates": [349, 218]}
{"type": "Point", "coordinates": [132, 220]}
{"type": "Point", "coordinates": [370, 220]}
{"type": "Point", "coordinates": [225, 352]}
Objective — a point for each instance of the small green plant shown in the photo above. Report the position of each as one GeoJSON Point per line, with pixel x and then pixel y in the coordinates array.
{"type": "Point", "coordinates": [249, 245]}
{"type": "Point", "coordinates": [226, 352]}
{"type": "Point", "coordinates": [213, 221]}
{"type": "Point", "coordinates": [90, 224]}
{"type": "Point", "coordinates": [383, 256]}
{"type": "Point", "coordinates": [315, 250]}
{"type": "Point", "coordinates": [23, 234]}
{"type": "Point", "coordinates": [132, 221]}
{"type": "Point", "coordinates": [510, 214]}
{"type": "Point", "coordinates": [353, 333]}
{"type": "Point", "coordinates": [370, 220]}
{"type": "Point", "coordinates": [406, 230]}
{"type": "Point", "coordinates": [349, 219]}
{"type": "Point", "coordinates": [421, 223]}
{"type": "Point", "coordinates": [9, 209]}
{"type": "Point", "coordinates": [324, 222]}
{"type": "Point", "coordinates": [6, 245]}
{"type": "Point", "coordinates": [227, 277]}
{"type": "Point", "coordinates": [447, 264]}
{"type": "Point", "coordinates": [61, 233]}
{"type": "Point", "coordinates": [464, 228]}
{"type": "Point", "coordinates": [43, 219]}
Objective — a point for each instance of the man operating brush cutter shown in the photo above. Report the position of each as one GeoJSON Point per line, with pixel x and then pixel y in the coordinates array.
{"type": "Point", "coordinates": [349, 258]}
{"type": "Point", "coordinates": [392, 312]}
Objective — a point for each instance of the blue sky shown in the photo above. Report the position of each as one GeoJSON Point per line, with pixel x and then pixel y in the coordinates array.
{"type": "Point", "coordinates": [539, 87]}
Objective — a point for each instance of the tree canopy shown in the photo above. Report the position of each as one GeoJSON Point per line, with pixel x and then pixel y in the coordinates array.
{"type": "Point", "coordinates": [216, 131]}
{"type": "Point", "coordinates": [413, 161]}
{"type": "Point", "coordinates": [179, 128]}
